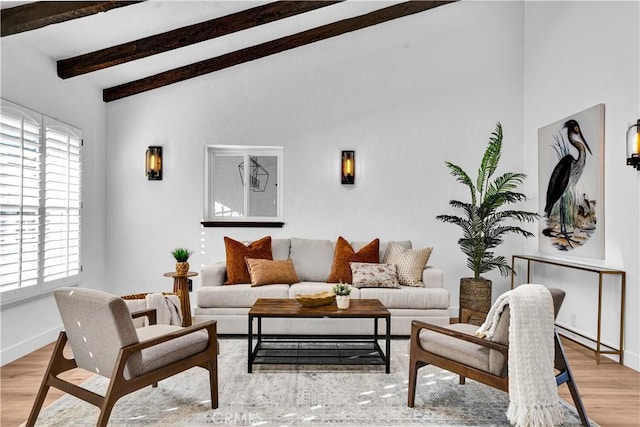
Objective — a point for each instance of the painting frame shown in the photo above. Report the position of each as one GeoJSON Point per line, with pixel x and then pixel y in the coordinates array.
{"type": "Point", "coordinates": [571, 185]}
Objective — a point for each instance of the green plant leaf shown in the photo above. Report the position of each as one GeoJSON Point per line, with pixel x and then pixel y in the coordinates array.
{"type": "Point", "coordinates": [490, 159]}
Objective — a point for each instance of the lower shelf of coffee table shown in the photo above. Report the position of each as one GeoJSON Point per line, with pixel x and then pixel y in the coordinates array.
{"type": "Point", "coordinates": [318, 351]}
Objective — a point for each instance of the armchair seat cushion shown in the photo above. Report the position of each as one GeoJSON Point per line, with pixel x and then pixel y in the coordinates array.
{"type": "Point", "coordinates": [458, 350]}
{"type": "Point", "coordinates": [168, 352]}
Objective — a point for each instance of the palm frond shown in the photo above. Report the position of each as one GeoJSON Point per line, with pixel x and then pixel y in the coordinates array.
{"type": "Point", "coordinates": [462, 177]}
{"type": "Point", "coordinates": [490, 159]}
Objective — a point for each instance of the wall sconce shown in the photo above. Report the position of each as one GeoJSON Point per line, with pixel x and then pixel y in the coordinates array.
{"type": "Point", "coordinates": [633, 145]}
{"type": "Point", "coordinates": [153, 163]}
{"type": "Point", "coordinates": [348, 164]}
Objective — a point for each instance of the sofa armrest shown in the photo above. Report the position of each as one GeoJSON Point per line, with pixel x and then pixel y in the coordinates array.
{"type": "Point", "coordinates": [214, 274]}
{"type": "Point", "coordinates": [433, 277]}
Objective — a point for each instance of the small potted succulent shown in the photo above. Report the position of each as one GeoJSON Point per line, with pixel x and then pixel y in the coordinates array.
{"type": "Point", "coordinates": [342, 291]}
{"type": "Point", "coordinates": [182, 256]}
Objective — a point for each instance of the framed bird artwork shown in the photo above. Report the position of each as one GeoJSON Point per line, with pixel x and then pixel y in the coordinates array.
{"type": "Point", "coordinates": [571, 185]}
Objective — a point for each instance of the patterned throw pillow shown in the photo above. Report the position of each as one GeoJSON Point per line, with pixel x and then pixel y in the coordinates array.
{"type": "Point", "coordinates": [410, 263]}
{"type": "Point", "coordinates": [268, 272]}
{"type": "Point", "coordinates": [344, 254]}
{"type": "Point", "coordinates": [237, 252]}
{"type": "Point", "coordinates": [370, 275]}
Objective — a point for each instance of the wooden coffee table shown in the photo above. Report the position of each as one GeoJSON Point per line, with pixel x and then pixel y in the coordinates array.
{"type": "Point", "coordinates": [319, 349]}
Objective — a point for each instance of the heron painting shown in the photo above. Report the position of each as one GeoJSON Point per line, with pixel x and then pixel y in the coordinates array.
{"type": "Point", "coordinates": [570, 184]}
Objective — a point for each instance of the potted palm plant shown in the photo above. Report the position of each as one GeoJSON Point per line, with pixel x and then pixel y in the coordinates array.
{"type": "Point", "coordinates": [181, 256]}
{"type": "Point", "coordinates": [482, 225]}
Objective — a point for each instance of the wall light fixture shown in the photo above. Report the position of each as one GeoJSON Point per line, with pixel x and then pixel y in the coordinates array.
{"type": "Point", "coordinates": [633, 145]}
{"type": "Point", "coordinates": [348, 167]}
{"type": "Point", "coordinates": [153, 163]}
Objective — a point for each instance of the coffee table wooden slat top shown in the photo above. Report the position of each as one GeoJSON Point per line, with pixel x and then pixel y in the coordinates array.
{"type": "Point", "coordinates": [289, 307]}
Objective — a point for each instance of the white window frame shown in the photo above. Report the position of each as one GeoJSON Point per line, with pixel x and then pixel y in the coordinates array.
{"type": "Point", "coordinates": [58, 205]}
{"type": "Point", "coordinates": [211, 151]}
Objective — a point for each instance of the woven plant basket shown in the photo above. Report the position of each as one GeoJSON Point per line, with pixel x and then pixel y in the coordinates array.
{"type": "Point", "coordinates": [182, 268]}
{"type": "Point", "coordinates": [475, 295]}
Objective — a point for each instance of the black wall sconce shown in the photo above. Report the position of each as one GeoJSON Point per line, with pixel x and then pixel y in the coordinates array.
{"type": "Point", "coordinates": [153, 163]}
{"type": "Point", "coordinates": [633, 145]}
{"type": "Point", "coordinates": [348, 164]}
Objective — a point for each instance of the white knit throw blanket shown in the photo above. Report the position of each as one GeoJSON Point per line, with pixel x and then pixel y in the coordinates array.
{"type": "Point", "coordinates": [533, 392]}
{"type": "Point", "coordinates": [167, 308]}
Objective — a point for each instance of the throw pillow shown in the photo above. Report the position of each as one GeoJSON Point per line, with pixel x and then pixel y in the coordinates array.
{"type": "Point", "coordinates": [268, 272]}
{"type": "Point", "coordinates": [344, 254]}
{"type": "Point", "coordinates": [410, 263]}
{"type": "Point", "coordinates": [237, 271]}
{"type": "Point", "coordinates": [369, 275]}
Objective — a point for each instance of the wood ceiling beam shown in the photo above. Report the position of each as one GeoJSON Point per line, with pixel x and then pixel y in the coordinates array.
{"type": "Point", "coordinates": [268, 48]}
{"type": "Point", "coordinates": [39, 14]}
{"type": "Point", "coordinates": [185, 36]}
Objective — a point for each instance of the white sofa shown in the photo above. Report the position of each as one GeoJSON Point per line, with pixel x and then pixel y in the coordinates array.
{"type": "Point", "coordinates": [312, 259]}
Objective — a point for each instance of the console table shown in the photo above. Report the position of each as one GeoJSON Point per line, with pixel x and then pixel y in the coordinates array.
{"type": "Point", "coordinates": [601, 272]}
{"type": "Point", "coordinates": [181, 287]}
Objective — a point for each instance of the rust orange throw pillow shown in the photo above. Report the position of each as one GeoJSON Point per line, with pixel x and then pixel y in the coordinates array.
{"type": "Point", "coordinates": [344, 254]}
{"type": "Point", "coordinates": [237, 271]}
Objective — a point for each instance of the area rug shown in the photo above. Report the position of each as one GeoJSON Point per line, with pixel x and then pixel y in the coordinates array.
{"type": "Point", "coordinates": [308, 395]}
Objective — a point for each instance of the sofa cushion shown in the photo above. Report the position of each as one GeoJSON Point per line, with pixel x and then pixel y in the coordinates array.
{"type": "Point", "coordinates": [372, 275]}
{"type": "Point", "coordinates": [344, 255]}
{"type": "Point", "coordinates": [408, 297]}
{"type": "Point", "coordinates": [242, 295]}
{"type": "Point", "coordinates": [312, 258]}
{"type": "Point", "coordinates": [280, 248]}
{"type": "Point", "coordinates": [269, 272]}
{"type": "Point", "coordinates": [410, 262]}
{"type": "Point", "coordinates": [237, 271]}
{"type": "Point", "coordinates": [306, 288]}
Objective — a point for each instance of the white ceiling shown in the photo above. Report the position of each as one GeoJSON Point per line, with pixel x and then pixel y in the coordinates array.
{"type": "Point", "coordinates": [84, 35]}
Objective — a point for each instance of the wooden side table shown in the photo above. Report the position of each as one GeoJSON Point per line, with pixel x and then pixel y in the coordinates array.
{"type": "Point", "coordinates": [181, 287]}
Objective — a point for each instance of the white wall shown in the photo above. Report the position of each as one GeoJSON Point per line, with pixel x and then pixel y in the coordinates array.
{"type": "Point", "coordinates": [29, 79]}
{"type": "Point", "coordinates": [406, 95]}
{"type": "Point", "coordinates": [579, 54]}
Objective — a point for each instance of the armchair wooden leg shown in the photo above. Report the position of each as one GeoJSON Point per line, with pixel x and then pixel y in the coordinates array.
{"type": "Point", "coordinates": [37, 405]}
{"type": "Point", "coordinates": [414, 365]}
{"type": "Point", "coordinates": [213, 383]}
{"type": "Point", "coordinates": [565, 376]}
{"type": "Point", "coordinates": [57, 364]}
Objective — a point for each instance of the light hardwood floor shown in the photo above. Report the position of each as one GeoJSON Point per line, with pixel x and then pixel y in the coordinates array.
{"type": "Point", "coordinates": [611, 392]}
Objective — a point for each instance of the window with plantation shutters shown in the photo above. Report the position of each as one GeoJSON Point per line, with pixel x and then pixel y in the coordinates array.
{"type": "Point", "coordinates": [40, 190]}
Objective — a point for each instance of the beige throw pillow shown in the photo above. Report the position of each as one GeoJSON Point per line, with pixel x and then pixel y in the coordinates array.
{"type": "Point", "coordinates": [269, 272]}
{"type": "Point", "coordinates": [410, 263]}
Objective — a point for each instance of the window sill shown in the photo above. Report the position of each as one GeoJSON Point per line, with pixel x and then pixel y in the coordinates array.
{"type": "Point", "coordinates": [255, 224]}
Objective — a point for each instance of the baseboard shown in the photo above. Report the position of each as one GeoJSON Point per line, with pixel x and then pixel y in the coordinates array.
{"type": "Point", "coordinates": [632, 360]}
{"type": "Point", "coordinates": [11, 354]}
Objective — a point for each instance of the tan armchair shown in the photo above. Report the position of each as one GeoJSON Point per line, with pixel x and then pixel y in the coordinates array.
{"type": "Point", "coordinates": [100, 331]}
{"type": "Point", "coordinates": [457, 349]}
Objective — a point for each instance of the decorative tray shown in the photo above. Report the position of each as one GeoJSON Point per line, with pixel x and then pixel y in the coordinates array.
{"type": "Point", "coordinates": [316, 300]}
